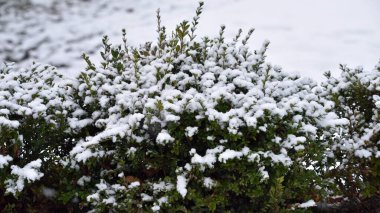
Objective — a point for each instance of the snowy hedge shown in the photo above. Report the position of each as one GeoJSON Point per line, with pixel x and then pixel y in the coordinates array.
{"type": "Point", "coordinates": [355, 151]}
{"type": "Point", "coordinates": [186, 124]}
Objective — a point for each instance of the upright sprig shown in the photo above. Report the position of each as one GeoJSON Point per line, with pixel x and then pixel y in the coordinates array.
{"type": "Point", "coordinates": [136, 59]}
{"type": "Point", "coordinates": [248, 36]}
{"type": "Point", "coordinates": [195, 22]}
{"type": "Point", "coordinates": [107, 49]}
{"type": "Point", "coordinates": [221, 34]}
{"type": "Point", "coordinates": [124, 38]}
{"type": "Point", "coordinates": [182, 30]}
{"type": "Point", "coordinates": [161, 30]}
{"type": "Point", "coordinates": [237, 37]}
{"type": "Point", "coordinates": [90, 65]}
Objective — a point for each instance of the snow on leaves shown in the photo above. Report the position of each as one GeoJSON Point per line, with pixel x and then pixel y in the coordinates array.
{"type": "Point", "coordinates": [165, 122]}
{"type": "Point", "coordinates": [30, 172]}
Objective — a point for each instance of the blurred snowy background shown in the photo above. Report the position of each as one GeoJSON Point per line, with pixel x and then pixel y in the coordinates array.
{"type": "Point", "coordinates": [307, 36]}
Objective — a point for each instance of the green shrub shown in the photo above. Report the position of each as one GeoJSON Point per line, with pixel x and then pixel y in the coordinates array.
{"type": "Point", "coordinates": [185, 124]}
{"type": "Point", "coordinates": [34, 104]}
{"type": "Point", "coordinates": [198, 125]}
{"type": "Point", "coordinates": [355, 150]}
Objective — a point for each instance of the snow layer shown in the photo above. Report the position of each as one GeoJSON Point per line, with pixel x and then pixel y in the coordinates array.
{"type": "Point", "coordinates": [4, 160]}
{"type": "Point", "coordinates": [181, 185]}
{"type": "Point", "coordinates": [164, 137]}
{"type": "Point", "coordinates": [309, 37]}
{"type": "Point", "coordinates": [307, 204]}
{"type": "Point", "coordinates": [30, 172]}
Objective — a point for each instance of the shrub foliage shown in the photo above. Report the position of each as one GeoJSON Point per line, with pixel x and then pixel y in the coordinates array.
{"type": "Point", "coordinates": [186, 124]}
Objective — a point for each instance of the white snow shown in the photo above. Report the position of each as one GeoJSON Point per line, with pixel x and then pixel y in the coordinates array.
{"type": "Point", "coordinates": [362, 153]}
{"type": "Point", "coordinates": [307, 204]}
{"type": "Point", "coordinates": [156, 208]}
{"type": "Point", "coordinates": [208, 159]}
{"type": "Point", "coordinates": [162, 200]}
{"type": "Point", "coordinates": [332, 119]}
{"type": "Point", "coordinates": [309, 129]}
{"type": "Point", "coordinates": [309, 37]}
{"type": "Point", "coordinates": [162, 186]}
{"type": "Point", "coordinates": [81, 181]}
{"type": "Point", "coordinates": [280, 158]}
{"type": "Point", "coordinates": [231, 154]}
{"type": "Point", "coordinates": [264, 174]}
{"type": "Point", "coordinates": [181, 185]}
{"type": "Point", "coordinates": [191, 131]}
{"type": "Point", "coordinates": [109, 200]}
{"type": "Point", "coordinates": [5, 122]}
{"type": "Point", "coordinates": [133, 185]}
{"type": "Point", "coordinates": [4, 160]}
{"type": "Point", "coordinates": [208, 182]}
{"type": "Point", "coordinates": [145, 197]}
{"type": "Point", "coordinates": [29, 172]}
{"type": "Point", "coordinates": [164, 137]}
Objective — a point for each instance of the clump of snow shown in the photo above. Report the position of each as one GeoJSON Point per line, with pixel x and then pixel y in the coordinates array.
{"type": "Point", "coordinates": [134, 185]}
{"type": "Point", "coordinates": [209, 159]}
{"type": "Point", "coordinates": [4, 160]}
{"type": "Point", "coordinates": [162, 186]}
{"type": "Point", "coordinates": [231, 154]}
{"type": "Point", "coordinates": [363, 153]}
{"type": "Point", "coordinates": [162, 200]}
{"type": "Point", "coordinates": [145, 197]}
{"type": "Point", "coordinates": [81, 181]}
{"type": "Point", "coordinates": [280, 158]}
{"type": "Point", "coordinates": [156, 208]}
{"type": "Point", "coordinates": [5, 122]}
{"type": "Point", "coordinates": [191, 131]}
{"type": "Point", "coordinates": [30, 172]}
{"type": "Point", "coordinates": [181, 185]}
{"type": "Point", "coordinates": [105, 193]}
{"type": "Point", "coordinates": [307, 204]}
{"type": "Point", "coordinates": [264, 174]}
{"type": "Point", "coordinates": [208, 182]}
{"type": "Point", "coordinates": [332, 119]}
{"type": "Point", "coordinates": [164, 137]}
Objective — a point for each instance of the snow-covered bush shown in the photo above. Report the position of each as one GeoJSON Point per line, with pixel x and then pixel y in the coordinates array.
{"type": "Point", "coordinates": [185, 124]}
{"type": "Point", "coordinates": [355, 151]}
{"type": "Point", "coordinates": [200, 124]}
{"type": "Point", "coordinates": [34, 104]}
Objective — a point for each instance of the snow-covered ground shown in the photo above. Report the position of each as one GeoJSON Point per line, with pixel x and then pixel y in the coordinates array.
{"type": "Point", "coordinates": [306, 36]}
